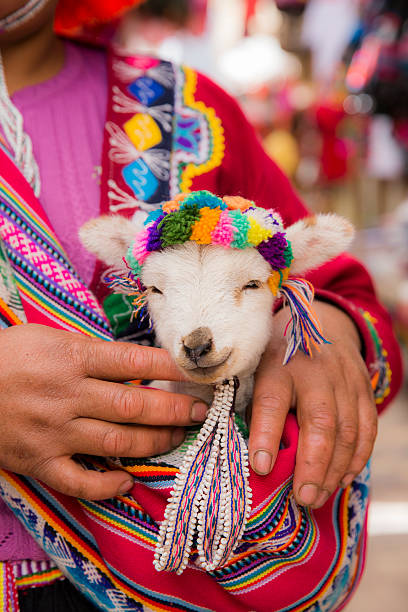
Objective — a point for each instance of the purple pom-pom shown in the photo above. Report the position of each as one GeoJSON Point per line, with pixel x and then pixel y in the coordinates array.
{"type": "Point", "coordinates": [273, 250]}
{"type": "Point", "coordinates": [154, 241]}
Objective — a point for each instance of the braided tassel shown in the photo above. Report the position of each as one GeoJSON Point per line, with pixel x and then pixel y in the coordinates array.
{"type": "Point", "coordinates": [211, 494]}
{"type": "Point", "coordinates": [305, 330]}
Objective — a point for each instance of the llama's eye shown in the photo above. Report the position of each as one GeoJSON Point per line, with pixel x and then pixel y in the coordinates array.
{"type": "Point", "coordinates": [253, 284]}
{"type": "Point", "coordinates": [154, 289]}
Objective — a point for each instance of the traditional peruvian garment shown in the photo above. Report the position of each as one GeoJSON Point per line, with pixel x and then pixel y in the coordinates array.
{"type": "Point", "coordinates": [170, 130]}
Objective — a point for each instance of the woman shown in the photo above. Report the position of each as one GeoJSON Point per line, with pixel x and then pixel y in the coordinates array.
{"type": "Point", "coordinates": [167, 130]}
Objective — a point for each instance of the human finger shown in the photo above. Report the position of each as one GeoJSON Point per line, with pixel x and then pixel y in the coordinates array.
{"type": "Point", "coordinates": [64, 474]}
{"type": "Point", "coordinates": [367, 433]}
{"type": "Point", "coordinates": [120, 403]}
{"type": "Point", "coordinates": [95, 437]}
{"type": "Point", "coordinates": [120, 361]}
{"type": "Point", "coordinates": [270, 406]}
{"type": "Point", "coordinates": [317, 416]}
{"type": "Point", "coordinates": [345, 439]}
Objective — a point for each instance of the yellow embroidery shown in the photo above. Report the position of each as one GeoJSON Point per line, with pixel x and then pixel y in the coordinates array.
{"type": "Point", "coordinates": [216, 133]}
{"type": "Point", "coordinates": [143, 131]}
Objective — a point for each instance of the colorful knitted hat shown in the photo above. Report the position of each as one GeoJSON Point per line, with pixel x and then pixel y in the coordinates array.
{"type": "Point", "coordinates": [231, 222]}
{"type": "Point", "coordinates": [234, 223]}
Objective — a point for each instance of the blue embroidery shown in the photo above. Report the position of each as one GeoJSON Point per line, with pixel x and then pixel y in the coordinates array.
{"type": "Point", "coordinates": [146, 90]}
{"type": "Point", "coordinates": [187, 134]}
{"type": "Point", "coordinates": [140, 179]}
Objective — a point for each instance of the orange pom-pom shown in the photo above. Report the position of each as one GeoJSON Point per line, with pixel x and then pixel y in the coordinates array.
{"type": "Point", "coordinates": [237, 202]}
{"type": "Point", "coordinates": [202, 229]}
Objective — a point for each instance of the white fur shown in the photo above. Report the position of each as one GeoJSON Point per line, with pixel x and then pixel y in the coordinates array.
{"type": "Point", "coordinates": [318, 239]}
{"type": "Point", "coordinates": [204, 287]}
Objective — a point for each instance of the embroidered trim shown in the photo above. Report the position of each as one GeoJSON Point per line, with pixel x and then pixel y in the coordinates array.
{"type": "Point", "coordinates": [198, 142]}
{"type": "Point", "coordinates": [160, 137]}
{"type": "Point", "coordinates": [380, 370]}
{"type": "Point", "coordinates": [8, 590]}
{"type": "Point", "coordinates": [43, 276]}
{"type": "Point", "coordinates": [30, 574]}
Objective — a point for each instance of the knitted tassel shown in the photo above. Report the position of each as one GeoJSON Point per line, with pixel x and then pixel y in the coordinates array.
{"type": "Point", "coordinates": [305, 330]}
{"type": "Point", "coordinates": [211, 497]}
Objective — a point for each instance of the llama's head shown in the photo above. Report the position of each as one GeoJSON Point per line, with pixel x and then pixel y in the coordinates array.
{"type": "Point", "coordinates": [212, 305]}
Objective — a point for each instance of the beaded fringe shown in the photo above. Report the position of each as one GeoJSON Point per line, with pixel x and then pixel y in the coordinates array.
{"type": "Point", "coordinates": [211, 498]}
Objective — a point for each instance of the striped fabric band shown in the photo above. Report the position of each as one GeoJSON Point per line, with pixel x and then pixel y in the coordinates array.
{"type": "Point", "coordinates": [44, 277]}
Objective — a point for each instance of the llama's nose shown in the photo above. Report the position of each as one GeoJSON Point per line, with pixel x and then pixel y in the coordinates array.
{"type": "Point", "coordinates": [198, 343]}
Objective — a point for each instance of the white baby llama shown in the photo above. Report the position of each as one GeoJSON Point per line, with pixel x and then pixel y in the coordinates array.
{"type": "Point", "coordinates": [211, 306]}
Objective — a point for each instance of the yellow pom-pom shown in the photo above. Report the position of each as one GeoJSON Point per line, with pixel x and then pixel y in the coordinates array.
{"type": "Point", "coordinates": [257, 233]}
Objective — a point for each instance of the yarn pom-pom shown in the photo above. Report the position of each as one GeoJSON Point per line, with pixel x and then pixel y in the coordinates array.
{"type": "Point", "coordinates": [155, 232]}
{"type": "Point", "coordinates": [139, 250]}
{"type": "Point", "coordinates": [203, 228]}
{"type": "Point", "coordinates": [265, 218]}
{"type": "Point", "coordinates": [273, 250]}
{"type": "Point", "coordinates": [240, 225]}
{"type": "Point", "coordinates": [176, 227]}
{"type": "Point", "coordinates": [257, 233]}
{"type": "Point", "coordinates": [202, 199]}
{"type": "Point", "coordinates": [237, 202]}
{"type": "Point", "coordinates": [223, 233]}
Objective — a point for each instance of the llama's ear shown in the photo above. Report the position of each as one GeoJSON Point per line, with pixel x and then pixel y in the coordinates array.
{"type": "Point", "coordinates": [108, 238]}
{"type": "Point", "coordinates": [318, 239]}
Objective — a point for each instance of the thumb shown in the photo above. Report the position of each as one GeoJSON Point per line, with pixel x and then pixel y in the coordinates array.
{"type": "Point", "coordinates": [67, 476]}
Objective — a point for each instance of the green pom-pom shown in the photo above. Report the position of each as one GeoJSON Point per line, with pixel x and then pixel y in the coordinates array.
{"type": "Point", "coordinates": [241, 227]}
{"type": "Point", "coordinates": [176, 226]}
{"type": "Point", "coordinates": [288, 254]}
{"type": "Point", "coordinates": [202, 199]}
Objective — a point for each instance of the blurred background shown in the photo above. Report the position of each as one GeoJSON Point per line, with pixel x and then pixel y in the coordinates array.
{"type": "Point", "coordinates": [325, 84]}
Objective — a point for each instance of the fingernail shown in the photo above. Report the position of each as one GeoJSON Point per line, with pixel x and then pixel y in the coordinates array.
{"type": "Point", "coordinates": [308, 494]}
{"type": "Point", "coordinates": [199, 412]}
{"type": "Point", "coordinates": [177, 437]}
{"type": "Point", "coordinates": [347, 480]}
{"type": "Point", "coordinates": [126, 486]}
{"type": "Point", "coordinates": [322, 498]}
{"type": "Point", "coordinates": [262, 462]}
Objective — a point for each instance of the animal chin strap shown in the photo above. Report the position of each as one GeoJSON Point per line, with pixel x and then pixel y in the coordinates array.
{"type": "Point", "coordinates": [211, 498]}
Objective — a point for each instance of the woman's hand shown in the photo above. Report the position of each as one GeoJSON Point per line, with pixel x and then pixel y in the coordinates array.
{"type": "Point", "coordinates": [60, 396]}
{"type": "Point", "coordinates": [334, 403]}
